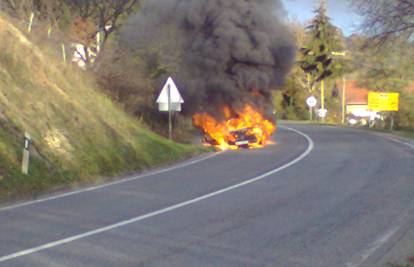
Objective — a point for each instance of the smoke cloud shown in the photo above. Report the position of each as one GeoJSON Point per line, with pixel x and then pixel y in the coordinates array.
{"type": "Point", "coordinates": [220, 52]}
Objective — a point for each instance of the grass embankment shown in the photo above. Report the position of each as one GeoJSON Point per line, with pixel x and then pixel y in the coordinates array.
{"type": "Point", "coordinates": [78, 134]}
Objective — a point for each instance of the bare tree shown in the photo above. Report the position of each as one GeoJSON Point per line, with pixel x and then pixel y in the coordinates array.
{"type": "Point", "coordinates": [387, 19]}
{"type": "Point", "coordinates": [97, 16]}
{"type": "Point", "coordinates": [106, 14]}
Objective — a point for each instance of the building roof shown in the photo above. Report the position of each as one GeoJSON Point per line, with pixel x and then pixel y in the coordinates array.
{"type": "Point", "coordinates": [410, 88]}
{"type": "Point", "coordinates": [355, 95]}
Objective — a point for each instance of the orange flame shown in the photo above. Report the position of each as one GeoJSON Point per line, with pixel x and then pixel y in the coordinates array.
{"type": "Point", "coordinates": [249, 120]}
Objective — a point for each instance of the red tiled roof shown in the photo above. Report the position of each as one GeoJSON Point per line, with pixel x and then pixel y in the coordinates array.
{"type": "Point", "coordinates": [410, 88]}
{"type": "Point", "coordinates": [358, 95]}
{"type": "Point", "coordinates": [354, 94]}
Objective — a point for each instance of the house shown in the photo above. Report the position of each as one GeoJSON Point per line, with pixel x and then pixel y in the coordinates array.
{"type": "Point", "coordinates": [83, 55]}
{"type": "Point", "coordinates": [356, 99]}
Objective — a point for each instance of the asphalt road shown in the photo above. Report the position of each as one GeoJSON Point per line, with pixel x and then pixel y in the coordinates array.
{"type": "Point", "coordinates": [335, 197]}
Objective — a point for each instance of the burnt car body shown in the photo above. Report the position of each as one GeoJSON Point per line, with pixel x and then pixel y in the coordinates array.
{"type": "Point", "coordinates": [209, 140]}
{"type": "Point", "coordinates": [242, 138]}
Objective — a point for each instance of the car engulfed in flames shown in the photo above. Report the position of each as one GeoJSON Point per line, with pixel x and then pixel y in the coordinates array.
{"type": "Point", "coordinates": [245, 128]}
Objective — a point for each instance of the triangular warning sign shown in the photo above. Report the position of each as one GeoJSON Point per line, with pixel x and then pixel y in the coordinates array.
{"type": "Point", "coordinates": [175, 95]}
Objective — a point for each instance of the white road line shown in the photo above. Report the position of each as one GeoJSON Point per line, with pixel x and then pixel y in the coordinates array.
{"type": "Point", "coordinates": [374, 247]}
{"type": "Point", "coordinates": [165, 210]}
{"type": "Point", "coordinates": [377, 244]}
{"type": "Point", "coordinates": [121, 181]}
{"type": "Point", "coordinates": [401, 142]}
{"type": "Point", "coordinates": [394, 139]}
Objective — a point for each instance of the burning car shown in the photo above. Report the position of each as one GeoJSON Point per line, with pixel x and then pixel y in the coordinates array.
{"type": "Point", "coordinates": [235, 139]}
{"type": "Point", "coordinates": [244, 128]}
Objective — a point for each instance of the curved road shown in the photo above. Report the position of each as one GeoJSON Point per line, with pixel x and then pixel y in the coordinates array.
{"type": "Point", "coordinates": [323, 196]}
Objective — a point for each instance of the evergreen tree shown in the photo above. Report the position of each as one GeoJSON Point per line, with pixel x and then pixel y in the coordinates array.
{"type": "Point", "coordinates": [322, 39]}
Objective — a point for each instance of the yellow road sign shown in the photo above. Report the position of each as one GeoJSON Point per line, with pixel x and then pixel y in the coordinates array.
{"type": "Point", "coordinates": [378, 101]}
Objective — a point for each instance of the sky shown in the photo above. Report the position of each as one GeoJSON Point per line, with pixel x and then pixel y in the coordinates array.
{"type": "Point", "coordinates": [340, 11]}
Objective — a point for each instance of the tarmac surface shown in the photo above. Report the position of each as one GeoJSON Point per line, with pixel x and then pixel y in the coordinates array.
{"type": "Point", "coordinates": [320, 196]}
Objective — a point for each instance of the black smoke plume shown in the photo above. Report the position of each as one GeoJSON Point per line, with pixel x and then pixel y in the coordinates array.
{"type": "Point", "coordinates": [220, 52]}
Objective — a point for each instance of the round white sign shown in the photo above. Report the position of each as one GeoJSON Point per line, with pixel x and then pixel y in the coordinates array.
{"type": "Point", "coordinates": [311, 101]}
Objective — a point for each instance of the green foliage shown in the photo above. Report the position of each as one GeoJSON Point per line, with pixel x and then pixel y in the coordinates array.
{"type": "Point", "coordinates": [405, 117]}
{"type": "Point", "coordinates": [316, 55]}
{"type": "Point", "coordinates": [388, 68]}
{"type": "Point", "coordinates": [290, 101]}
{"type": "Point", "coordinates": [316, 63]}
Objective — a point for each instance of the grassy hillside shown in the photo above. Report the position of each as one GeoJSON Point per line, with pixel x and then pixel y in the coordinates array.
{"type": "Point", "coordinates": [78, 134]}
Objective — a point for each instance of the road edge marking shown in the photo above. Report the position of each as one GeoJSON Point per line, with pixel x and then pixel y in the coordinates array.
{"type": "Point", "coordinates": [383, 238]}
{"type": "Point", "coordinates": [108, 184]}
{"type": "Point", "coordinates": [396, 140]}
{"type": "Point", "coordinates": [373, 247]}
{"type": "Point", "coordinates": [168, 209]}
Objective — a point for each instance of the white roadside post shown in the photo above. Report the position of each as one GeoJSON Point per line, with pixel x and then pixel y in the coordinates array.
{"type": "Point", "coordinates": [49, 32]}
{"type": "Point", "coordinates": [63, 53]}
{"type": "Point", "coordinates": [26, 153]}
{"type": "Point", "coordinates": [29, 27]}
{"type": "Point", "coordinates": [170, 100]}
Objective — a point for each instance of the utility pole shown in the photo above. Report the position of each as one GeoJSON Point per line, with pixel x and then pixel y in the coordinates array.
{"type": "Point", "coordinates": [323, 94]}
{"type": "Point", "coordinates": [343, 99]}
{"type": "Point", "coordinates": [310, 91]}
{"type": "Point", "coordinates": [343, 108]}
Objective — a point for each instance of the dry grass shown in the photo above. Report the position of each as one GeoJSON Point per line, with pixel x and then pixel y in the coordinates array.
{"type": "Point", "coordinates": [78, 133]}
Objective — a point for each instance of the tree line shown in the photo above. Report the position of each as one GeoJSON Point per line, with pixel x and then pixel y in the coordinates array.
{"type": "Point", "coordinates": [379, 57]}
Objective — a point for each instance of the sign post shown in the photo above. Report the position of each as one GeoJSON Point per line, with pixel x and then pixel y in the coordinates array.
{"type": "Point", "coordinates": [169, 113]}
{"type": "Point", "coordinates": [170, 100]}
{"type": "Point", "coordinates": [344, 55]}
{"type": "Point", "coordinates": [311, 102]}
